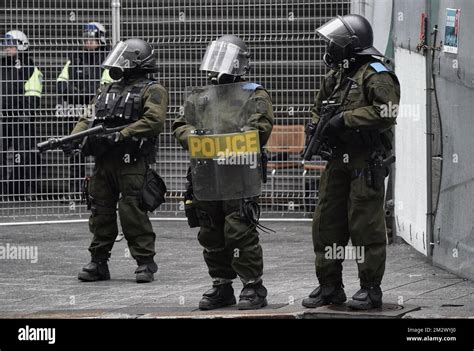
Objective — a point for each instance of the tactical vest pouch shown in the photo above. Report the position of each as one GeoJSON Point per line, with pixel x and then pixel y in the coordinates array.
{"type": "Point", "coordinates": [153, 191]}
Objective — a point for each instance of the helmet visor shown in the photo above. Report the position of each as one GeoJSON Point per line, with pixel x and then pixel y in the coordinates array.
{"type": "Point", "coordinates": [9, 40]}
{"type": "Point", "coordinates": [5, 43]}
{"type": "Point", "coordinates": [116, 57]}
{"type": "Point", "coordinates": [224, 58]}
{"type": "Point", "coordinates": [335, 31]}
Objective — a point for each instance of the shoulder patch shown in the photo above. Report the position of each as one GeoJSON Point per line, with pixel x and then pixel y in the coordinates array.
{"type": "Point", "coordinates": [251, 86]}
{"type": "Point", "coordinates": [154, 91]}
{"type": "Point", "coordinates": [379, 67]}
{"type": "Point", "coordinates": [156, 97]}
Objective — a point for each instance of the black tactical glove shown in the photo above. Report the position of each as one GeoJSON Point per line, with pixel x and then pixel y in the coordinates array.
{"type": "Point", "coordinates": [68, 149]}
{"type": "Point", "coordinates": [310, 129]}
{"type": "Point", "coordinates": [114, 138]}
{"type": "Point", "coordinates": [336, 124]}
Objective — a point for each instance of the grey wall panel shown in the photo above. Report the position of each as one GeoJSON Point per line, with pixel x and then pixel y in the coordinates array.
{"type": "Point", "coordinates": [406, 23]}
{"type": "Point", "coordinates": [454, 221]}
{"type": "Point", "coordinates": [454, 228]}
{"type": "Point", "coordinates": [454, 224]}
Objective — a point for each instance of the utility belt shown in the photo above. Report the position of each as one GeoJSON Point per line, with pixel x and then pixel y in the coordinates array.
{"type": "Point", "coordinates": [377, 144]}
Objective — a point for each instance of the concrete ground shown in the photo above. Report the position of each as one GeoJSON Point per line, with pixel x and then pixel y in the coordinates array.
{"type": "Point", "coordinates": [49, 287]}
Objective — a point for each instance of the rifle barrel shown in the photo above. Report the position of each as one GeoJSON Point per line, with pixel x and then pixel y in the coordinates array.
{"type": "Point", "coordinates": [54, 143]}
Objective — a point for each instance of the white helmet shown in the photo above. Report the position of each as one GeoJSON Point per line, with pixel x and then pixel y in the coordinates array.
{"type": "Point", "coordinates": [16, 38]}
{"type": "Point", "coordinates": [95, 30]}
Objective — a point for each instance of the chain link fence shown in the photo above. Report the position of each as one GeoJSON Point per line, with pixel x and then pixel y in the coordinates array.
{"type": "Point", "coordinates": [286, 60]}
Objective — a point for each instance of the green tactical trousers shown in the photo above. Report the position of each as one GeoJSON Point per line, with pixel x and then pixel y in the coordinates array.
{"type": "Point", "coordinates": [231, 245]}
{"type": "Point", "coordinates": [348, 208]}
{"type": "Point", "coordinates": [116, 181]}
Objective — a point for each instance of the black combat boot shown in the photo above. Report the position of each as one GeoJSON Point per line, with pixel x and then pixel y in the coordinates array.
{"type": "Point", "coordinates": [96, 270]}
{"type": "Point", "coordinates": [253, 296]}
{"type": "Point", "coordinates": [217, 297]}
{"type": "Point", "coordinates": [145, 271]}
{"type": "Point", "coordinates": [366, 298]}
{"type": "Point", "coordinates": [326, 295]}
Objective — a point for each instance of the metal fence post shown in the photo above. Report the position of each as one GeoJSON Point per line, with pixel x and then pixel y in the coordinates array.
{"type": "Point", "coordinates": [115, 4]}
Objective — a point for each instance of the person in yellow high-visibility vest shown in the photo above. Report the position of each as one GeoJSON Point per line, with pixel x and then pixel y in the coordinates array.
{"type": "Point", "coordinates": [21, 88]}
{"type": "Point", "coordinates": [77, 83]}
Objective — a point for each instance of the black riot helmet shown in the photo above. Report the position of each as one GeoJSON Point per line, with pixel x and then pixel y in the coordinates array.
{"type": "Point", "coordinates": [347, 37]}
{"type": "Point", "coordinates": [226, 59]}
{"type": "Point", "coordinates": [131, 57]}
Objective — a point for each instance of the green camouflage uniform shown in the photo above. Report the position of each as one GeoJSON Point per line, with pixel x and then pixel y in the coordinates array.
{"type": "Point", "coordinates": [231, 244]}
{"type": "Point", "coordinates": [114, 180]}
{"type": "Point", "coordinates": [348, 208]}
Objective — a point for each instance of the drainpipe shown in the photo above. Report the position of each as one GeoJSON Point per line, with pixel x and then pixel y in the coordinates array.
{"type": "Point", "coordinates": [429, 133]}
{"type": "Point", "coordinates": [358, 7]}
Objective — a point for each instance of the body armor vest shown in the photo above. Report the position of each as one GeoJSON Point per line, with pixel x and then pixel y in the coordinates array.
{"type": "Point", "coordinates": [120, 104]}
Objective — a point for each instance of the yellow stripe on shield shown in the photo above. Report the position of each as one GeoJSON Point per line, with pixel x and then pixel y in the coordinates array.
{"type": "Point", "coordinates": [216, 145]}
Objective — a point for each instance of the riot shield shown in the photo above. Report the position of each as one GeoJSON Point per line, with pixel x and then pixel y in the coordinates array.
{"type": "Point", "coordinates": [224, 151]}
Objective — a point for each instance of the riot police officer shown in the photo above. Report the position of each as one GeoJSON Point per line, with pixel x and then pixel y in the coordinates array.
{"type": "Point", "coordinates": [357, 145]}
{"type": "Point", "coordinates": [122, 159]}
{"type": "Point", "coordinates": [21, 86]}
{"type": "Point", "coordinates": [223, 196]}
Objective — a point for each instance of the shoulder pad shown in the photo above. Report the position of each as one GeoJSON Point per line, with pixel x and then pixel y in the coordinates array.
{"type": "Point", "coordinates": [251, 86]}
{"type": "Point", "coordinates": [379, 67]}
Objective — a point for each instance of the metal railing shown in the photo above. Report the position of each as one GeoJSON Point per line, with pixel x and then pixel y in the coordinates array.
{"type": "Point", "coordinates": [286, 60]}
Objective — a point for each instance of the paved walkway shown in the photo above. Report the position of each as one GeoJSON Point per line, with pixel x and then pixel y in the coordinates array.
{"type": "Point", "coordinates": [49, 288]}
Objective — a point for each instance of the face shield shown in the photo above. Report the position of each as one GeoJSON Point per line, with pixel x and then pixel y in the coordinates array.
{"type": "Point", "coordinates": [225, 58]}
{"type": "Point", "coordinates": [338, 38]}
{"type": "Point", "coordinates": [9, 46]}
{"type": "Point", "coordinates": [118, 61]}
{"type": "Point", "coordinates": [337, 32]}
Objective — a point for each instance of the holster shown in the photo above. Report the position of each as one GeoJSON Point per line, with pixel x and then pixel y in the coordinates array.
{"type": "Point", "coordinates": [85, 196]}
{"type": "Point", "coordinates": [376, 171]}
{"type": "Point", "coordinates": [190, 209]}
